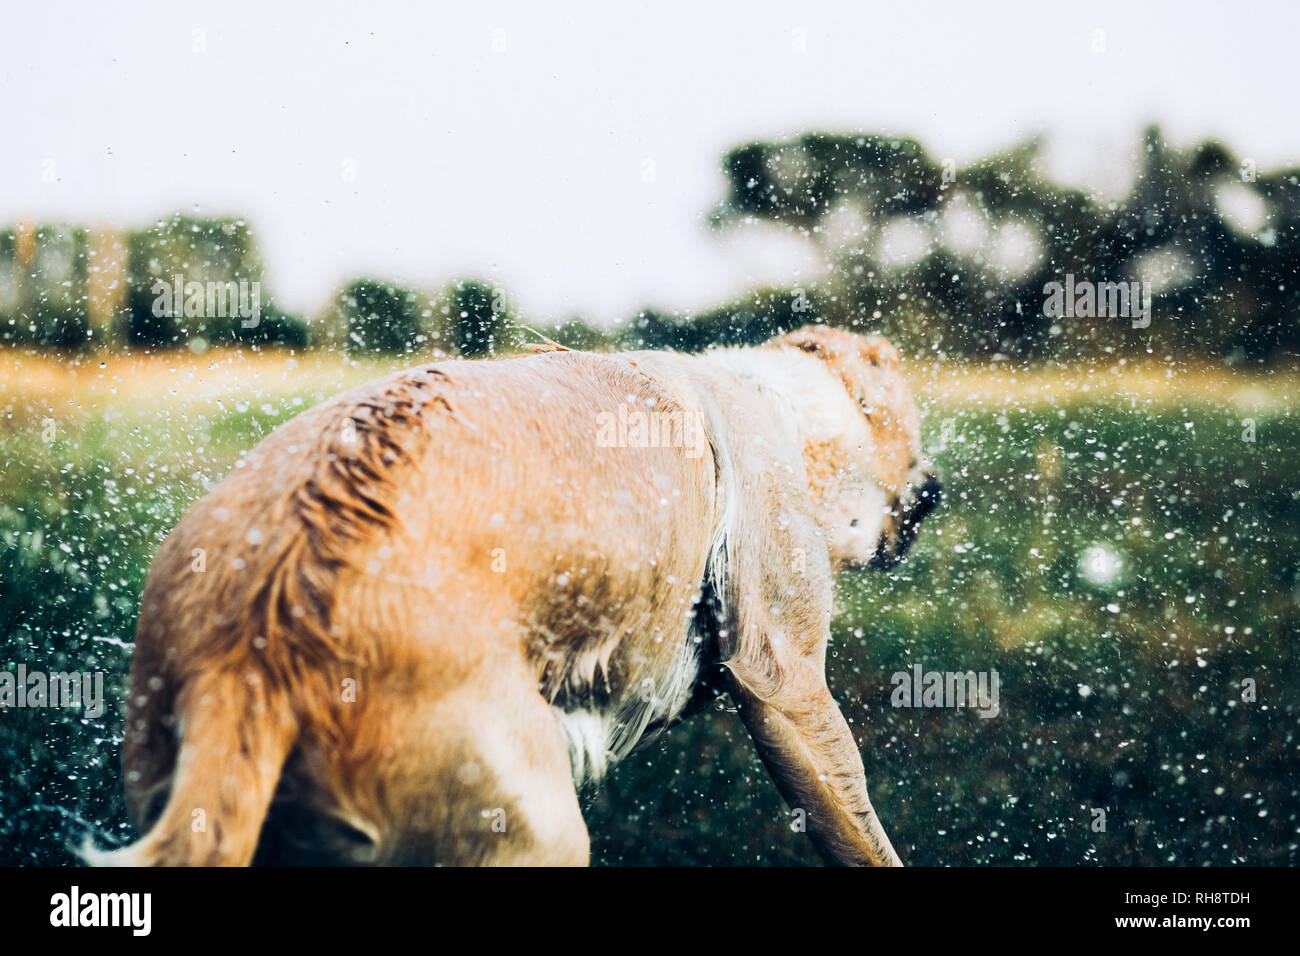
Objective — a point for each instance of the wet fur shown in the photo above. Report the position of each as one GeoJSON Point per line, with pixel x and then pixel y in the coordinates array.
{"type": "Point", "coordinates": [430, 605]}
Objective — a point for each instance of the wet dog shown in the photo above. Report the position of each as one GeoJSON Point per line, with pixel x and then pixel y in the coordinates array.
{"type": "Point", "coordinates": [429, 609]}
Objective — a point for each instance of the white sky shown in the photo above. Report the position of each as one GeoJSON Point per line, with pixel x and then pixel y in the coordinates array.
{"type": "Point", "coordinates": [526, 166]}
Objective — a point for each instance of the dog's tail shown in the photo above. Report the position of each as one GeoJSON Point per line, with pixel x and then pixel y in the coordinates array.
{"type": "Point", "coordinates": [236, 732]}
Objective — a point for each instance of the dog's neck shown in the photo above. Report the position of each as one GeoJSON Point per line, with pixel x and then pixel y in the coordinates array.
{"type": "Point", "coordinates": [848, 503]}
{"type": "Point", "coordinates": [828, 418]}
{"type": "Point", "coordinates": [826, 413]}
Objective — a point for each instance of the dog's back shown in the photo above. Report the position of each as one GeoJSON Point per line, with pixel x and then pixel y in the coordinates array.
{"type": "Point", "coordinates": [402, 616]}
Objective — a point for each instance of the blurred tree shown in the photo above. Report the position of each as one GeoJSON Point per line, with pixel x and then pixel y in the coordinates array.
{"type": "Point", "coordinates": [481, 318]}
{"type": "Point", "coordinates": [57, 308]}
{"type": "Point", "coordinates": [43, 285]}
{"type": "Point", "coordinates": [165, 262]}
{"type": "Point", "coordinates": [379, 317]}
{"type": "Point", "coordinates": [956, 259]}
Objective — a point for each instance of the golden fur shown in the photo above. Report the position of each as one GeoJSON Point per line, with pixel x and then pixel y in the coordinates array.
{"type": "Point", "coordinates": [426, 606]}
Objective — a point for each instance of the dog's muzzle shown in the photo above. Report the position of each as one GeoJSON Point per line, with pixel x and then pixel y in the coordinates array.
{"type": "Point", "coordinates": [924, 500]}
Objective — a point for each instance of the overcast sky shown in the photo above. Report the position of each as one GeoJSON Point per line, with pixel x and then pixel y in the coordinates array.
{"type": "Point", "coordinates": [511, 141]}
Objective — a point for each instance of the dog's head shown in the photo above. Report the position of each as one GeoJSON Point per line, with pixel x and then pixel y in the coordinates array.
{"type": "Point", "coordinates": [869, 480]}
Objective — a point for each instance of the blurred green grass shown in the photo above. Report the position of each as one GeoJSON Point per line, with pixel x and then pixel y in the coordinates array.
{"type": "Point", "coordinates": [1122, 696]}
{"type": "Point", "coordinates": [1125, 698]}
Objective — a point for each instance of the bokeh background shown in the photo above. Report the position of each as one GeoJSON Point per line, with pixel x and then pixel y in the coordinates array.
{"type": "Point", "coordinates": [1120, 527]}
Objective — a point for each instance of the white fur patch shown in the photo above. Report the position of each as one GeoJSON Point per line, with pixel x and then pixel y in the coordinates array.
{"type": "Point", "coordinates": [823, 406]}
{"type": "Point", "coordinates": [599, 739]}
{"type": "Point", "coordinates": [587, 734]}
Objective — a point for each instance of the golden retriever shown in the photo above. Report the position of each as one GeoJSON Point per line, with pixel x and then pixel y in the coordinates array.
{"type": "Point", "coordinates": [415, 618]}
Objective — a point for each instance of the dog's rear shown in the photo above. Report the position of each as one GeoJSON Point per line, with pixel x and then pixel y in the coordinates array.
{"type": "Point", "coordinates": [245, 663]}
{"type": "Point", "coordinates": [323, 631]}
{"type": "Point", "coordinates": [233, 615]}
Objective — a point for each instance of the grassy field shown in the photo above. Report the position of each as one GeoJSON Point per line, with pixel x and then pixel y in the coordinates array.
{"type": "Point", "coordinates": [1110, 543]}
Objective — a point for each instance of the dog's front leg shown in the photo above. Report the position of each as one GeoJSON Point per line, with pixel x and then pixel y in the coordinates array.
{"type": "Point", "coordinates": [808, 748]}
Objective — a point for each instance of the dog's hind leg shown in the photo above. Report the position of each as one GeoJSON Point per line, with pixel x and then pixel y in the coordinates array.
{"type": "Point", "coordinates": [478, 776]}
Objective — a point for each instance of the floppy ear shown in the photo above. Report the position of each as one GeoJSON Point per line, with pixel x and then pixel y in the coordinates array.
{"type": "Point", "coordinates": [871, 369]}
{"type": "Point", "coordinates": [817, 339]}
{"type": "Point", "coordinates": [878, 350]}
{"type": "Point", "coordinates": [835, 345]}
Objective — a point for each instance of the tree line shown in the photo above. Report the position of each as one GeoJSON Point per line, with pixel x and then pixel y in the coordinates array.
{"type": "Point", "coordinates": [959, 261]}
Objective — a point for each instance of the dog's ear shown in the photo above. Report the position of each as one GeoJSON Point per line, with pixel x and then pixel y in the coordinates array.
{"type": "Point", "coordinates": [817, 339]}
{"type": "Point", "coordinates": [871, 369]}
{"type": "Point", "coordinates": [833, 344]}
{"type": "Point", "coordinates": [879, 351]}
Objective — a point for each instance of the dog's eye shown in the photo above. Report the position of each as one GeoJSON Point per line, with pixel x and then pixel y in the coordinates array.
{"type": "Point", "coordinates": [853, 523]}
